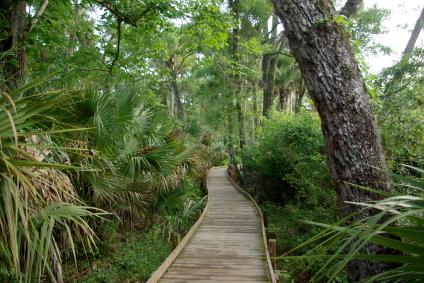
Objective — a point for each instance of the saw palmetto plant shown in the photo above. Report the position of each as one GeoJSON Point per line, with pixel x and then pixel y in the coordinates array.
{"type": "Point", "coordinates": [139, 152]}
{"type": "Point", "coordinates": [37, 199]}
{"type": "Point", "coordinates": [66, 159]}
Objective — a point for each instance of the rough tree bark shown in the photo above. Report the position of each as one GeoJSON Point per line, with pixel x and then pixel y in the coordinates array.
{"type": "Point", "coordinates": [17, 26]}
{"type": "Point", "coordinates": [335, 84]}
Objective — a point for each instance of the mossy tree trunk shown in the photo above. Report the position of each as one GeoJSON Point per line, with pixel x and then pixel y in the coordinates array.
{"type": "Point", "coordinates": [269, 67]}
{"type": "Point", "coordinates": [14, 64]}
{"type": "Point", "coordinates": [332, 77]}
{"type": "Point", "coordinates": [175, 94]}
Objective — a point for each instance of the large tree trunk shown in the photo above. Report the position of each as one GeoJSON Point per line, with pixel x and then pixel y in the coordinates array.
{"type": "Point", "coordinates": [231, 150]}
{"type": "Point", "coordinates": [14, 65]}
{"type": "Point", "coordinates": [240, 118]}
{"type": "Point", "coordinates": [336, 86]}
{"type": "Point", "coordinates": [255, 107]}
{"type": "Point", "coordinates": [269, 66]}
{"type": "Point", "coordinates": [175, 94]}
{"type": "Point", "coordinates": [234, 46]}
{"type": "Point", "coordinates": [300, 92]}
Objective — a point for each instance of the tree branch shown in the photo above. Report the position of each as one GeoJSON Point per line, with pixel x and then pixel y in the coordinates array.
{"type": "Point", "coordinates": [40, 11]}
{"type": "Point", "coordinates": [118, 51]}
{"type": "Point", "coordinates": [415, 34]}
{"type": "Point", "coordinates": [351, 7]}
{"type": "Point", "coordinates": [121, 17]}
{"type": "Point", "coordinates": [272, 29]}
{"type": "Point", "coordinates": [34, 20]}
{"type": "Point", "coordinates": [188, 54]}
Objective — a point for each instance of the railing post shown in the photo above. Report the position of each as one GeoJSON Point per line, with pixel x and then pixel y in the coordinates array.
{"type": "Point", "coordinates": [198, 214]}
{"type": "Point", "coordinates": [257, 200]}
{"type": "Point", "coordinates": [272, 246]}
{"type": "Point", "coordinates": [205, 175]}
{"type": "Point", "coordinates": [265, 216]}
{"type": "Point", "coordinates": [176, 239]}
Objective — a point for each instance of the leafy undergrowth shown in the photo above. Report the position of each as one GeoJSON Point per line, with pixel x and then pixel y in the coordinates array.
{"type": "Point", "coordinates": [287, 222]}
{"type": "Point", "coordinates": [126, 259]}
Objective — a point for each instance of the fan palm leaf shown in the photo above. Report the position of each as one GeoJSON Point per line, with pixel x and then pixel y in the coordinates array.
{"type": "Point", "coordinates": [139, 152]}
{"type": "Point", "coordinates": [36, 198]}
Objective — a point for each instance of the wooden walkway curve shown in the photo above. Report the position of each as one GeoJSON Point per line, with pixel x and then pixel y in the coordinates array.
{"type": "Point", "coordinates": [228, 244]}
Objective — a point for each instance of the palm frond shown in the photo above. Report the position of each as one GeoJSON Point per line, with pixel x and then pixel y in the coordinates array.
{"type": "Point", "coordinates": [398, 226]}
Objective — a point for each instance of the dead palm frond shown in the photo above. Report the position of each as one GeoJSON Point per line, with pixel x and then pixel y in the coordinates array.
{"type": "Point", "coordinates": [36, 197]}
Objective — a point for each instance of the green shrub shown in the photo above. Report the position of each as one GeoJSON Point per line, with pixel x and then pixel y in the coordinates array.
{"type": "Point", "coordinates": [287, 162]}
{"type": "Point", "coordinates": [132, 261]}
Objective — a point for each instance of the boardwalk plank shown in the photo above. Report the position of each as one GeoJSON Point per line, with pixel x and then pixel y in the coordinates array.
{"type": "Point", "coordinates": [228, 245]}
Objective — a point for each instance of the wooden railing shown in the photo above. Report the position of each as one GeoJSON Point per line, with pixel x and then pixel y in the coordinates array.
{"type": "Point", "coordinates": [269, 237]}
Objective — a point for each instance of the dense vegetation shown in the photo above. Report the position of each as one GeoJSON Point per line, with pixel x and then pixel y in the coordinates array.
{"type": "Point", "coordinates": [111, 110]}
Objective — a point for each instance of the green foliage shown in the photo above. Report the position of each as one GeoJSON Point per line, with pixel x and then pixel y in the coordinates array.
{"type": "Point", "coordinates": [400, 113]}
{"type": "Point", "coordinates": [178, 208]}
{"type": "Point", "coordinates": [289, 154]}
{"type": "Point", "coordinates": [365, 26]}
{"type": "Point", "coordinates": [133, 260]}
{"type": "Point", "coordinates": [37, 199]}
{"type": "Point", "coordinates": [288, 222]}
{"type": "Point", "coordinates": [336, 19]}
{"type": "Point", "coordinates": [287, 166]}
{"type": "Point", "coordinates": [126, 156]}
{"type": "Point", "coordinates": [115, 147]}
{"type": "Point", "coordinates": [398, 225]}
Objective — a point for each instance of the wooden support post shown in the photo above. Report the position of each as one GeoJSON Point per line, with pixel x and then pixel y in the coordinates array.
{"type": "Point", "coordinates": [257, 200]}
{"type": "Point", "coordinates": [176, 239]}
{"type": "Point", "coordinates": [272, 246]}
{"type": "Point", "coordinates": [205, 177]}
{"type": "Point", "coordinates": [198, 214]}
{"type": "Point", "coordinates": [265, 216]}
{"type": "Point", "coordinates": [271, 235]}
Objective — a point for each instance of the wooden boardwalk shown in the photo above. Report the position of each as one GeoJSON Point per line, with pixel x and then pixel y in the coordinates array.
{"type": "Point", "coordinates": [228, 246]}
